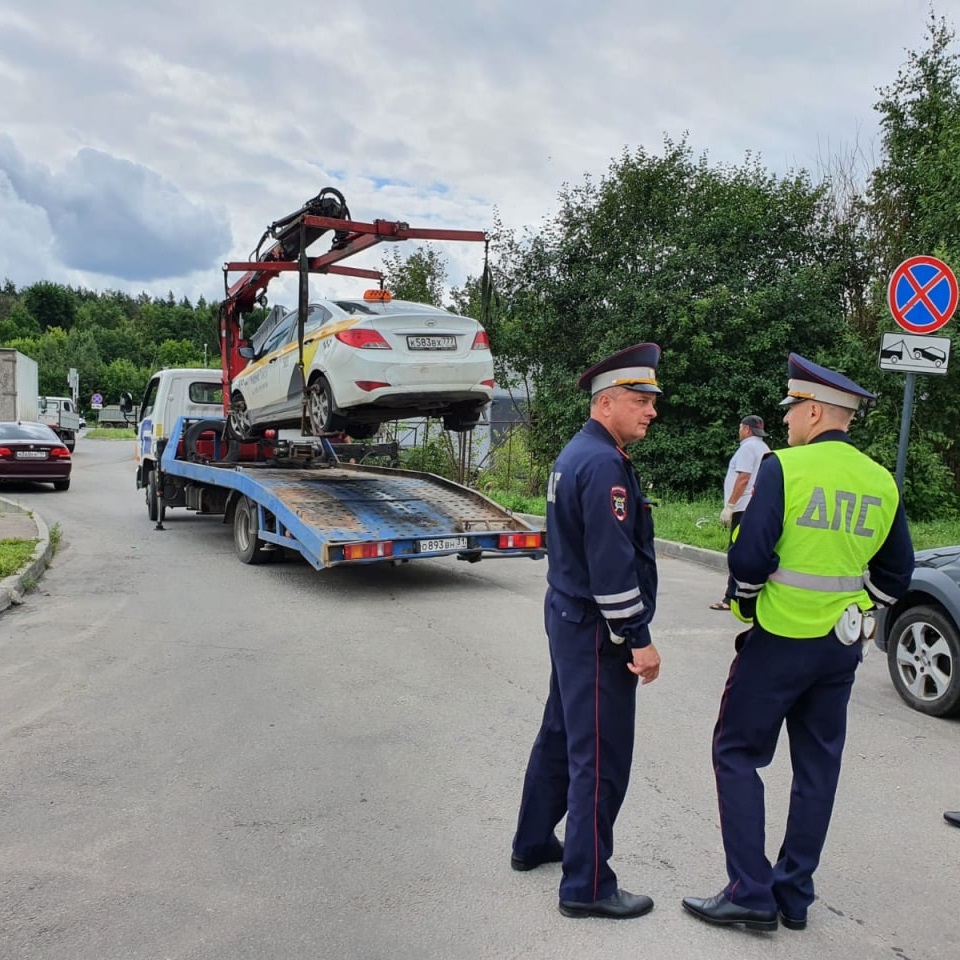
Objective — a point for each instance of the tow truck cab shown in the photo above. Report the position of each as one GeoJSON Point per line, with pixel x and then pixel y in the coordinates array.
{"type": "Point", "coordinates": [172, 393]}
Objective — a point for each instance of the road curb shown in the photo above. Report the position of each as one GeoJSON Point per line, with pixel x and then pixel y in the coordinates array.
{"type": "Point", "coordinates": [13, 588]}
{"type": "Point", "coordinates": [665, 548]}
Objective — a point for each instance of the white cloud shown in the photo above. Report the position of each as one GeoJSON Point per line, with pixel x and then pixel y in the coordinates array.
{"type": "Point", "coordinates": [190, 120]}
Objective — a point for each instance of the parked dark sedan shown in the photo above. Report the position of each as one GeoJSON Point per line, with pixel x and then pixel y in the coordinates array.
{"type": "Point", "coordinates": [32, 451]}
{"type": "Point", "coordinates": [921, 635]}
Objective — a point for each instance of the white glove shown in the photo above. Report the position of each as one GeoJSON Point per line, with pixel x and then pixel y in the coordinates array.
{"type": "Point", "coordinates": [726, 515]}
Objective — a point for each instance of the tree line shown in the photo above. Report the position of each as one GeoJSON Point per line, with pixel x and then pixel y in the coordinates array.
{"type": "Point", "coordinates": [728, 267]}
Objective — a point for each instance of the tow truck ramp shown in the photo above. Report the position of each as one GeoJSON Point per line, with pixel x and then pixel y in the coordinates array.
{"type": "Point", "coordinates": [334, 513]}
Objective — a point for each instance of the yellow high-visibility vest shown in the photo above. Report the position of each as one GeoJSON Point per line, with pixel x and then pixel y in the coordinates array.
{"type": "Point", "coordinates": [839, 506]}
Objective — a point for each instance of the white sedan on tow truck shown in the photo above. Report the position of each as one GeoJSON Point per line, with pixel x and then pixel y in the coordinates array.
{"type": "Point", "coordinates": [364, 361]}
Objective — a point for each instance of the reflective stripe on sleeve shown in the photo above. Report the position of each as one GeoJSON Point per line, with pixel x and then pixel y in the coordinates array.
{"type": "Point", "coordinates": [876, 592]}
{"type": "Point", "coordinates": [622, 614]}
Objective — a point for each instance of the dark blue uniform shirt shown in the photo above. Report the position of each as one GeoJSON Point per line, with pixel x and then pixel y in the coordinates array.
{"type": "Point", "coordinates": [600, 534]}
{"type": "Point", "coordinates": [752, 558]}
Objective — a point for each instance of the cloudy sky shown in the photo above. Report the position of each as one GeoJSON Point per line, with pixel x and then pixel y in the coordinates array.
{"type": "Point", "coordinates": [142, 144]}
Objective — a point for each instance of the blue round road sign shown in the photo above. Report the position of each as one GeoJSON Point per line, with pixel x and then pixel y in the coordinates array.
{"type": "Point", "coordinates": [922, 294]}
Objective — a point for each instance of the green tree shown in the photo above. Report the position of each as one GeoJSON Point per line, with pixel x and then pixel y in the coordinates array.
{"type": "Point", "coordinates": [912, 206]}
{"type": "Point", "coordinates": [420, 277]}
{"type": "Point", "coordinates": [51, 305]}
{"type": "Point", "coordinates": [729, 268]}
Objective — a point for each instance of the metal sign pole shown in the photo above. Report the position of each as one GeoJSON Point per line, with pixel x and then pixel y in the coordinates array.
{"type": "Point", "coordinates": [905, 419]}
{"type": "Point", "coordinates": [923, 295]}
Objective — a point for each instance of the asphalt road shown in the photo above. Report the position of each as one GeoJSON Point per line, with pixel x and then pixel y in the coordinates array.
{"type": "Point", "coordinates": [201, 760]}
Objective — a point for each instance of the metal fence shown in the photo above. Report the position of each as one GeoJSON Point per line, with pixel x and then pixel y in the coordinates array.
{"type": "Point", "coordinates": [495, 454]}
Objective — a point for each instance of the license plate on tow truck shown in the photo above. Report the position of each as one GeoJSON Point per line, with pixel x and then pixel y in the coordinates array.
{"type": "Point", "coordinates": [442, 543]}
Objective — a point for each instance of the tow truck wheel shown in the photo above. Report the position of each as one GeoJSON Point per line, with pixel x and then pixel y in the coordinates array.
{"type": "Point", "coordinates": [152, 506]}
{"type": "Point", "coordinates": [246, 526]}
{"type": "Point", "coordinates": [320, 409]}
{"type": "Point", "coordinates": [238, 420]}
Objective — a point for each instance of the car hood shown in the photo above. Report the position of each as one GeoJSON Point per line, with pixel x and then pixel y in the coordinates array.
{"type": "Point", "coordinates": [940, 557]}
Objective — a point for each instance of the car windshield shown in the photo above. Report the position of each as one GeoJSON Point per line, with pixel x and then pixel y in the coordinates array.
{"type": "Point", "coordinates": [27, 431]}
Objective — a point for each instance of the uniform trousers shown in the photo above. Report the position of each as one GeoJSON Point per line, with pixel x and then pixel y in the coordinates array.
{"type": "Point", "coordinates": [581, 758]}
{"type": "Point", "coordinates": [807, 684]}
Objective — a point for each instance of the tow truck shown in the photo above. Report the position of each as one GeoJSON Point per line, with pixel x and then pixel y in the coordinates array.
{"type": "Point", "coordinates": [325, 498]}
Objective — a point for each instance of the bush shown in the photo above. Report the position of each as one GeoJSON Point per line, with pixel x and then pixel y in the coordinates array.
{"type": "Point", "coordinates": [512, 468]}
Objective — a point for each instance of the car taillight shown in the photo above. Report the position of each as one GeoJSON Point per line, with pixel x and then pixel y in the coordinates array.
{"type": "Point", "coordinates": [481, 341]}
{"type": "Point", "coordinates": [524, 541]}
{"type": "Point", "coordinates": [368, 551]}
{"type": "Point", "coordinates": [5, 452]}
{"type": "Point", "coordinates": [60, 452]}
{"type": "Point", "coordinates": [369, 385]}
{"type": "Point", "coordinates": [363, 338]}
{"type": "Point", "coordinates": [487, 383]}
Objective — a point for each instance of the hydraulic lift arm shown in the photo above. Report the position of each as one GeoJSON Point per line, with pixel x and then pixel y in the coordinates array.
{"type": "Point", "coordinates": [292, 235]}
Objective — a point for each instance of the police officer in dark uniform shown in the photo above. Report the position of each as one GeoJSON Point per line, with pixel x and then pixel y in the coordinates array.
{"type": "Point", "coordinates": [601, 596]}
{"type": "Point", "coordinates": [823, 541]}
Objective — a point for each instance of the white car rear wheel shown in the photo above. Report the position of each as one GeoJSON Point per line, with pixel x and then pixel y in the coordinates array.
{"type": "Point", "coordinates": [320, 409]}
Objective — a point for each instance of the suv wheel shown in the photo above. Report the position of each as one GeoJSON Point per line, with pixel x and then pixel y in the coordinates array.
{"type": "Point", "coordinates": [923, 656]}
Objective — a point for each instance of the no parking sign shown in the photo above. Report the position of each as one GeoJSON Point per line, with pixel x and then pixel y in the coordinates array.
{"type": "Point", "coordinates": [922, 294]}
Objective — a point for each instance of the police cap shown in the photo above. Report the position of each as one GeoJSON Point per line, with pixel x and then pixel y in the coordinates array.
{"type": "Point", "coordinates": [810, 381]}
{"type": "Point", "coordinates": [634, 368]}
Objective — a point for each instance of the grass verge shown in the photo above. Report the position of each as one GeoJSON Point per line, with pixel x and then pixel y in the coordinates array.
{"type": "Point", "coordinates": [111, 433]}
{"type": "Point", "coordinates": [14, 555]}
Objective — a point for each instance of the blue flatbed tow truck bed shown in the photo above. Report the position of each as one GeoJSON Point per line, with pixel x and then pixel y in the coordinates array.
{"type": "Point", "coordinates": [306, 499]}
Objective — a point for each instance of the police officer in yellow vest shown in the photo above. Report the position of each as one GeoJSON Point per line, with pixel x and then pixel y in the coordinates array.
{"type": "Point", "coordinates": [823, 541]}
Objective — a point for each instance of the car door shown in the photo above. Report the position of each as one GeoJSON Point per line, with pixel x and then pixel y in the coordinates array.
{"type": "Point", "coordinates": [263, 383]}
{"type": "Point", "coordinates": [317, 316]}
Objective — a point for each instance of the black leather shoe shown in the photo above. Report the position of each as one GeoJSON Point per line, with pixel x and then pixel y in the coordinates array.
{"type": "Point", "coordinates": [952, 816]}
{"type": "Point", "coordinates": [721, 911]}
{"type": "Point", "coordinates": [554, 854]}
{"type": "Point", "coordinates": [790, 923]}
{"type": "Point", "coordinates": [620, 906]}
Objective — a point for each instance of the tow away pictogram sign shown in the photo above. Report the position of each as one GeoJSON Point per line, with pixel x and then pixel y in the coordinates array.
{"type": "Point", "coordinates": [904, 353]}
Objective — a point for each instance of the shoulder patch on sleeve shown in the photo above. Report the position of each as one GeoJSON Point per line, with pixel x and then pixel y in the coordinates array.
{"type": "Point", "coordinates": [618, 502]}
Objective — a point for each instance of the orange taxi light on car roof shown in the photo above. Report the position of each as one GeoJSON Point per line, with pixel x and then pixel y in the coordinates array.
{"type": "Point", "coordinates": [383, 295]}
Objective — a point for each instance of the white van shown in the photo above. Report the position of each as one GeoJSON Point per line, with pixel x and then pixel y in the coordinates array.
{"type": "Point", "coordinates": [61, 416]}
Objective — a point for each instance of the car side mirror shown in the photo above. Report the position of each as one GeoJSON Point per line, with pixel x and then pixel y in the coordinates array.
{"type": "Point", "coordinates": [246, 352]}
{"type": "Point", "coordinates": [126, 403]}
{"type": "Point", "coordinates": [43, 404]}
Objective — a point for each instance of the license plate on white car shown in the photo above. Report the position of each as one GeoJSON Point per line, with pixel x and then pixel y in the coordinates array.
{"type": "Point", "coordinates": [437, 342]}
{"type": "Point", "coordinates": [31, 454]}
{"type": "Point", "coordinates": [442, 543]}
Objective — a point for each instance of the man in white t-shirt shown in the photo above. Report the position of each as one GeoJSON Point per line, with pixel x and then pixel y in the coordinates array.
{"type": "Point", "coordinates": [738, 485]}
